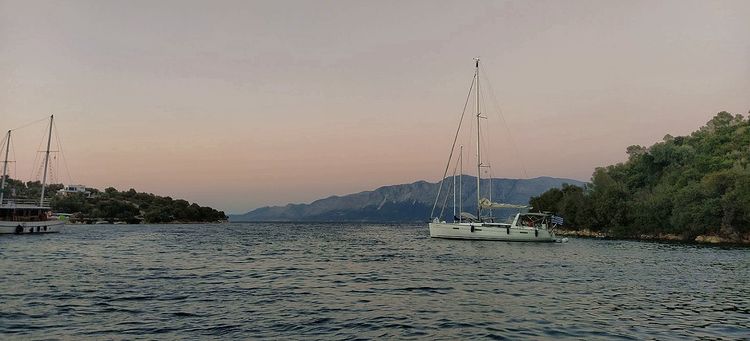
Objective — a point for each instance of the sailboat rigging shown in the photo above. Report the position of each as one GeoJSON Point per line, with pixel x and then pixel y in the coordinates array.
{"type": "Point", "coordinates": [529, 227]}
{"type": "Point", "coordinates": [19, 216]}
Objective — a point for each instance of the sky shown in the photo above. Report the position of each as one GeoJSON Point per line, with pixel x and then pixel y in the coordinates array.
{"type": "Point", "coordinates": [243, 104]}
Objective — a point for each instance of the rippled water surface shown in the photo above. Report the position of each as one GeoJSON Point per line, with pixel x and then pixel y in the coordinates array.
{"type": "Point", "coordinates": [346, 281]}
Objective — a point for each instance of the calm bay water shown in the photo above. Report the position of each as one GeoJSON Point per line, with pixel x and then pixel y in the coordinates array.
{"type": "Point", "coordinates": [347, 281]}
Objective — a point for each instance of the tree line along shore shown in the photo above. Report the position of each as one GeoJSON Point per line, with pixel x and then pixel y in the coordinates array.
{"type": "Point", "coordinates": [112, 206]}
{"type": "Point", "coordinates": [693, 188]}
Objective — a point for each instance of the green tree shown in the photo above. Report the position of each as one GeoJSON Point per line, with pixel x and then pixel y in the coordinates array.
{"type": "Point", "coordinates": [686, 185]}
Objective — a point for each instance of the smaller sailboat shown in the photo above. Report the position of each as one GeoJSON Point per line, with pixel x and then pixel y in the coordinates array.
{"type": "Point", "coordinates": [525, 227]}
{"type": "Point", "coordinates": [24, 216]}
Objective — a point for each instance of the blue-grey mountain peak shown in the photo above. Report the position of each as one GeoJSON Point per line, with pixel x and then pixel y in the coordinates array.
{"type": "Point", "coordinates": [405, 202]}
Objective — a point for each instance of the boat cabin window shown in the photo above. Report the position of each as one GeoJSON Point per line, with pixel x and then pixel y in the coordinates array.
{"type": "Point", "coordinates": [23, 214]}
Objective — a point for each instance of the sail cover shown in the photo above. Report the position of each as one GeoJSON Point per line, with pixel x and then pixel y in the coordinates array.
{"type": "Point", "coordinates": [487, 204]}
{"type": "Point", "coordinates": [468, 217]}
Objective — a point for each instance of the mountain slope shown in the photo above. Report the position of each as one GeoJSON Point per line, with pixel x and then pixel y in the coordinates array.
{"type": "Point", "coordinates": [405, 202]}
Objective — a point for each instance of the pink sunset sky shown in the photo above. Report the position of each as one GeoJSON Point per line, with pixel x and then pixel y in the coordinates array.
{"type": "Point", "coordinates": [242, 104]}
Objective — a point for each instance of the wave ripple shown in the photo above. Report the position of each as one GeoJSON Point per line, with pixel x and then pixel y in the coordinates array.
{"type": "Point", "coordinates": [361, 281]}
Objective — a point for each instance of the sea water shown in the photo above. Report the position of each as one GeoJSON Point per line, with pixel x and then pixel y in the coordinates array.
{"type": "Point", "coordinates": [361, 281]}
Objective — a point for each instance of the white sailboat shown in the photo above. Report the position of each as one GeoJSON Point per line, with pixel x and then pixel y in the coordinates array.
{"type": "Point", "coordinates": [19, 216]}
{"type": "Point", "coordinates": [525, 227]}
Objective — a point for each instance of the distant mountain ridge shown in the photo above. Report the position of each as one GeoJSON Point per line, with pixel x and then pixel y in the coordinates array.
{"type": "Point", "coordinates": [404, 202]}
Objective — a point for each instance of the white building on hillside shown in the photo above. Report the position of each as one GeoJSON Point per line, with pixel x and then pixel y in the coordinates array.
{"type": "Point", "coordinates": [74, 189]}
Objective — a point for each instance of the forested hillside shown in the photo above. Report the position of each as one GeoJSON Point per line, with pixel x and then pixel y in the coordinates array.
{"type": "Point", "coordinates": [113, 205]}
{"type": "Point", "coordinates": [687, 186]}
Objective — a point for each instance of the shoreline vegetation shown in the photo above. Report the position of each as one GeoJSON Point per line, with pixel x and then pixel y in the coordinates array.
{"type": "Point", "coordinates": [701, 239]}
{"type": "Point", "coordinates": [112, 206]}
{"type": "Point", "coordinates": [692, 188]}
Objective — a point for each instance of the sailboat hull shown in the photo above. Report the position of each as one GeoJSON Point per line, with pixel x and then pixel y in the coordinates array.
{"type": "Point", "coordinates": [31, 227]}
{"type": "Point", "coordinates": [484, 231]}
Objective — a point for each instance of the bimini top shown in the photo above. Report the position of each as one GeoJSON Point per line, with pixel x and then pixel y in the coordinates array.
{"type": "Point", "coordinates": [535, 214]}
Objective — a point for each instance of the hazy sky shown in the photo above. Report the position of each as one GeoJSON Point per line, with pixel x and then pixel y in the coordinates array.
{"type": "Point", "coordinates": [250, 103]}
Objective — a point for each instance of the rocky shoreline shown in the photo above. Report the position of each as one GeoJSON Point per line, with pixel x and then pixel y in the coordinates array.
{"type": "Point", "coordinates": [702, 239]}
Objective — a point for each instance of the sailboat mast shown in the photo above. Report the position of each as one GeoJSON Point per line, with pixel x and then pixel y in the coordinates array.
{"type": "Point", "coordinates": [46, 159]}
{"type": "Point", "coordinates": [454, 194]}
{"type": "Point", "coordinates": [479, 153]}
{"type": "Point", "coordinates": [460, 186]}
{"type": "Point", "coordinates": [5, 169]}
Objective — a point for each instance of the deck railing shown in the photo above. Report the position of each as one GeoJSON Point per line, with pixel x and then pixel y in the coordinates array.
{"type": "Point", "coordinates": [20, 203]}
